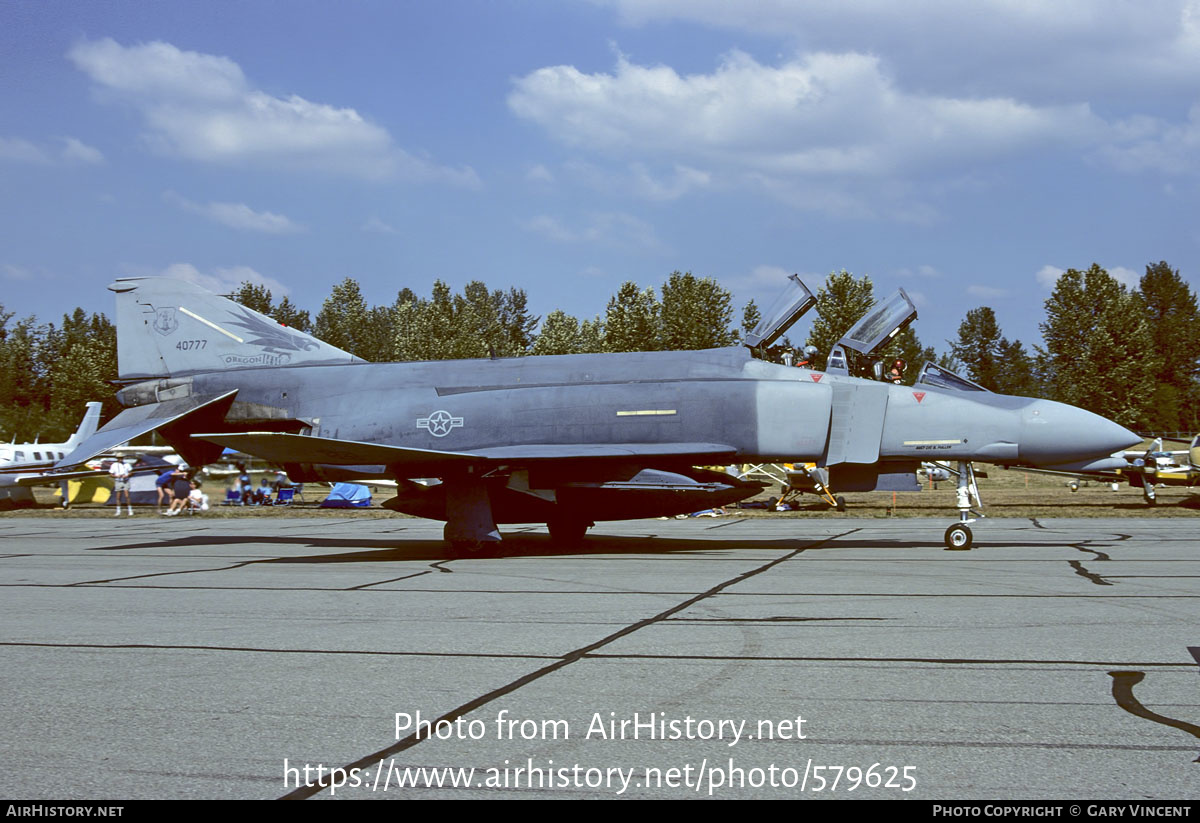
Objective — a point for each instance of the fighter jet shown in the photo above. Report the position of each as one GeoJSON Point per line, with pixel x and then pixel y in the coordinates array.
{"type": "Point", "coordinates": [563, 440]}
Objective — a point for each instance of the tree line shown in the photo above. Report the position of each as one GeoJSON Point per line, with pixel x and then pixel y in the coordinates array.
{"type": "Point", "coordinates": [1128, 354]}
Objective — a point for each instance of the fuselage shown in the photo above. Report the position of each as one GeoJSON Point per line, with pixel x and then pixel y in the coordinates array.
{"type": "Point", "coordinates": [762, 411]}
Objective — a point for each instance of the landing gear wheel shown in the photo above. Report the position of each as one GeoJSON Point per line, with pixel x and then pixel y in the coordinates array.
{"type": "Point", "coordinates": [567, 532]}
{"type": "Point", "coordinates": [841, 504]}
{"type": "Point", "coordinates": [958, 538]}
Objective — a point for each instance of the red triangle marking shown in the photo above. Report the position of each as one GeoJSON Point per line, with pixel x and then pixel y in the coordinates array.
{"type": "Point", "coordinates": [816, 377]}
{"type": "Point", "coordinates": [920, 395]}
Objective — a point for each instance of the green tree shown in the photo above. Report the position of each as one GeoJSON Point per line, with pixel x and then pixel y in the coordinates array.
{"type": "Point", "coordinates": [695, 313]}
{"type": "Point", "coordinates": [1019, 372]}
{"type": "Point", "coordinates": [751, 317]}
{"type": "Point", "coordinates": [287, 314]}
{"type": "Point", "coordinates": [345, 320]}
{"type": "Point", "coordinates": [559, 335]}
{"type": "Point", "coordinates": [253, 296]}
{"type": "Point", "coordinates": [1169, 306]}
{"type": "Point", "coordinates": [978, 346]}
{"type": "Point", "coordinates": [633, 320]}
{"type": "Point", "coordinates": [1096, 341]}
{"type": "Point", "coordinates": [592, 336]}
{"type": "Point", "coordinates": [840, 303]}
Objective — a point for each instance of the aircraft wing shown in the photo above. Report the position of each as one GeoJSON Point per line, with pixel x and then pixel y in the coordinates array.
{"type": "Point", "coordinates": [139, 420]}
{"type": "Point", "coordinates": [584, 451]}
{"type": "Point", "coordinates": [279, 447]}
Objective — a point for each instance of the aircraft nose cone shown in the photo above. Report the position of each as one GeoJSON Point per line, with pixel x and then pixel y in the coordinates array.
{"type": "Point", "coordinates": [1054, 433]}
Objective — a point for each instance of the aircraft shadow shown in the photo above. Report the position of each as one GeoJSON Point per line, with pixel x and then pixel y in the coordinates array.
{"type": "Point", "coordinates": [514, 545]}
{"type": "Point", "coordinates": [526, 545]}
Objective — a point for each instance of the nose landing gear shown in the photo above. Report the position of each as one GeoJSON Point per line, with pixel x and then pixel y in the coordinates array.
{"type": "Point", "coordinates": [958, 536]}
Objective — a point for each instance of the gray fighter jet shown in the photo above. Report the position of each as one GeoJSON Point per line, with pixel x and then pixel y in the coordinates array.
{"type": "Point", "coordinates": [564, 440]}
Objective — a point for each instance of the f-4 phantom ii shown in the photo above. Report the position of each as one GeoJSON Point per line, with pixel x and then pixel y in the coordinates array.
{"type": "Point", "coordinates": [563, 440]}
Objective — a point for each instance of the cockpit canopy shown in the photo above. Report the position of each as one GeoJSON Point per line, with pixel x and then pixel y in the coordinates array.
{"type": "Point", "coordinates": [855, 351]}
{"type": "Point", "coordinates": [784, 312]}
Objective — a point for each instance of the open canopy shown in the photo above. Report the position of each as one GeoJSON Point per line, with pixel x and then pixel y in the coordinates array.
{"type": "Point", "coordinates": [784, 312]}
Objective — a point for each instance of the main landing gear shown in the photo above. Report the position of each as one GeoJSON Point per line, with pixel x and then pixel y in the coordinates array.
{"type": "Point", "coordinates": [958, 536]}
{"type": "Point", "coordinates": [470, 527]}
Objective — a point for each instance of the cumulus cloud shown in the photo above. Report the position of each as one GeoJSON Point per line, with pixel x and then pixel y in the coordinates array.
{"type": "Point", "coordinates": [224, 280]}
{"type": "Point", "coordinates": [202, 107]}
{"type": "Point", "coordinates": [1126, 277]}
{"type": "Point", "coordinates": [237, 215]}
{"type": "Point", "coordinates": [68, 151]}
{"type": "Point", "coordinates": [1036, 50]}
{"type": "Point", "coordinates": [986, 291]}
{"type": "Point", "coordinates": [1047, 276]}
{"type": "Point", "coordinates": [376, 226]}
{"type": "Point", "coordinates": [609, 228]}
{"type": "Point", "coordinates": [816, 114]}
{"type": "Point", "coordinates": [1156, 145]}
{"type": "Point", "coordinates": [539, 174]}
{"type": "Point", "coordinates": [682, 180]}
{"type": "Point", "coordinates": [828, 132]}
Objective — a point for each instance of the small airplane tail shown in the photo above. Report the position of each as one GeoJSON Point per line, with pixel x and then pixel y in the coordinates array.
{"type": "Point", "coordinates": [91, 422]}
{"type": "Point", "coordinates": [168, 327]}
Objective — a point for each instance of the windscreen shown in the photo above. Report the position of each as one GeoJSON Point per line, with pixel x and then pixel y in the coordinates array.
{"type": "Point", "coordinates": [934, 375]}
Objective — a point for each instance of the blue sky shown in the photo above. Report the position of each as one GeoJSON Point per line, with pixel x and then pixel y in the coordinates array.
{"type": "Point", "coordinates": [967, 151]}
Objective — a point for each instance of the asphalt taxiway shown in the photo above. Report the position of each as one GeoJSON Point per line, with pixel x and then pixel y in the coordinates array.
{"type": "Point", "coordinates": [146, 658]}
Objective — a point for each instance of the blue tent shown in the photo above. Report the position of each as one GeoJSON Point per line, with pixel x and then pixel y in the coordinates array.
{"type": "Point", "coordinates": [347, 496]}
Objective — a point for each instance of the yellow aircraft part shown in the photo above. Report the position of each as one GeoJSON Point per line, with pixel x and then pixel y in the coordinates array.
{"type": "Point", "coordinates": [87, 490]}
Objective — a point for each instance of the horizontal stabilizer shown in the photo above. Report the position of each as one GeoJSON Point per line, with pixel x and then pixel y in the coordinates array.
{"type": "Point", "coordinates": [140, 420]}
{"type": "Point", "coordinates": [278, 447]}
{"type": "Point", "coordinates": [43, 479]}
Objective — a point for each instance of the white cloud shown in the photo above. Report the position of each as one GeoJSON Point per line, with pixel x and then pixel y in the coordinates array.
{"type": "Point", "coordinates": [202, 107]}
{"type": "Point", "coordinates": [76, 151]}
{"type": "Point", "coordinates": [924, 271]}
{"type": "Point", "coordinates": [376, 226]}
{"type": "Point", "coordinates": [609, 228]}
{"type": "Point", "coordinates": [1008, 47]}
{"type": "Point", "coordinates": [71, 152]}
{"type": "Point", "coordinates": [539, 174]}
{"type": "Point", "coordinates": [815, 115]}
{"type": "Point", "coordinates": [683, 180]}
{"type": "Point", "coordinates": [1126, 277]}
{"type": "Point", "coordinates": [22, 151]}
{"type": "Point", "coordinates": [12, 272]}
{"type": "Point", "coordinates": [986, 291]}
{"type": "Point", "coordinates": [1047, 276]}
{"type": "Point", "coordinates": [224, 280]}
{"type": "Point", "coordinates": [1158, 146]}
{"type": "Point", "coordinates": [237, 215]}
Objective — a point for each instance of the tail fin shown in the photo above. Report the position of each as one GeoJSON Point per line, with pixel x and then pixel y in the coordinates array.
{"type": "Point", "coordinates": [91, 422]}
{"type": "Point", "coordinates": [168, 327]}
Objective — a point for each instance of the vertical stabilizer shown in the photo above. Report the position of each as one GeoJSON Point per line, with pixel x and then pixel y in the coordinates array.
{"type": "Point", "coordinates": [91, 422]}
{"type": "Point", "coordinates": [168, 327]}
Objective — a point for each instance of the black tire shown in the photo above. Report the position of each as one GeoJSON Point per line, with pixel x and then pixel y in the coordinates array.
{"type": "Point", "coordinates": [958, 538]}
{"type": "Point", "coordinates": [841, 503]}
